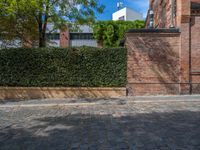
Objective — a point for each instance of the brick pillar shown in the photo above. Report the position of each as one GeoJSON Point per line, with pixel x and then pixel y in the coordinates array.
{"type": "Point", "coordinates": [99, 44]}
{"type": "Point", "coordinates": [27, 42]}
{"type": "Point", "coordinates": [184, 22]}
{"type": "Point", "coordinates": [64, 37]}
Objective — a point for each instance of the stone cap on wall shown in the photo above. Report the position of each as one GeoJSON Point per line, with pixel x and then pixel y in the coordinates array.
{"type": "Point", "coordinates": [154, 30]}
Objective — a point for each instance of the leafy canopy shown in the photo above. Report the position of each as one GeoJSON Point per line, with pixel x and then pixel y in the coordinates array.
{"type": "Point", "coordinates": [38, 13]}
{"type": "Point", "coordinates": [109, 33]}
{"type": "Point", "coordinates": [15, 22]}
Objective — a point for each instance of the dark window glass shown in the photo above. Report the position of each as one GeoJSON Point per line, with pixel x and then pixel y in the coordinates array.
{"type": "Point", "coordinates": [81, 36]}
{"type": "Point", "coordinates": [122, 18]}
{"type": "Point", "coordinates": [53, 36]}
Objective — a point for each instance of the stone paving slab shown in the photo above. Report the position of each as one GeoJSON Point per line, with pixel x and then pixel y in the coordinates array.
{"type": "Point", "coordinates": [170, 125]}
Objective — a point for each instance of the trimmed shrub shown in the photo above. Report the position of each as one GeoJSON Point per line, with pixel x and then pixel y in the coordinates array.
{"type": "Point", "coordinates": [70, 67]}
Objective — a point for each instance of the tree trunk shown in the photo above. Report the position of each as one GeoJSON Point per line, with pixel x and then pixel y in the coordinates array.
{"type": "Point", "coordinates": [40, 28]}
{"type": "Point", "coordinates": [44, 31]}
{"type": "Point", "coordinates": [43, 27]}
{"type": "Point", "coordinates": [42, 36]}
{"type": "Point", "coordinates": [42, 39]}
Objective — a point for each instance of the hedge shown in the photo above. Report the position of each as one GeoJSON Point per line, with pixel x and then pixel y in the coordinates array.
{"type": "Point", "coordinates": [70, 67]}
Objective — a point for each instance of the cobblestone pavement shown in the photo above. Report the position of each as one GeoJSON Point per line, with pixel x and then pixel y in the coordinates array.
{"type": "Point", "coordinates": [124, 125]}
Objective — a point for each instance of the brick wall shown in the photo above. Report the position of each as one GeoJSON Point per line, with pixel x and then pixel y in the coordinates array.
{"type": "Point", "coordinates": [195, 43]}
{"type": "Point", "coordinates": [162, 11]}
{"type": "Point", "coordinates": [166, 62]}
{"type": "Point", "coordinates": [153, 63]}
{"type": "Point", "coordinates": [195, 53]}
{"type": "Point", "coordinates": [64, 38]}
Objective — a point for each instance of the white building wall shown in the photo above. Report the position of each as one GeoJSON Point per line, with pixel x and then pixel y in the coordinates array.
{"type": "Point", "coordinates": [78, 43]}
{"type": "Point", "coordinates": [10, 44]}
{"type": "Point", "coordinates": [85, 29]}
{"type": "Point", "coordinates": [118, 14]}
{"type": "Point", "coordinates": [129, 15]}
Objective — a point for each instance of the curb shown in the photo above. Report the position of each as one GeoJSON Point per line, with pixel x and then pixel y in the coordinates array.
{"type": "Point", "coordinates": [47, 105]}
{"type": "Point", "coordinates": [93, 103]}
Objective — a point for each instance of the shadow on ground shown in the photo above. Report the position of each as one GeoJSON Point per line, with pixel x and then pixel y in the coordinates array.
{"type": "Point", "coordinates": [174, 130]}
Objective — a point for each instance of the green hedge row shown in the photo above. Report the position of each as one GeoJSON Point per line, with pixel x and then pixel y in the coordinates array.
{"type": "Point", "coordinates": [75, 67]}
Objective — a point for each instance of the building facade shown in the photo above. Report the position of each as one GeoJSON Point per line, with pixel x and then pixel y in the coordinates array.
{"type": "Point", "coordinates": [165, 59]}
{"type": "Point", "coordinates": [69, 38]}
{"type": "Point", "coordinates": [127, 14]}
{"type": "Point", "coordinates": [177, 10]}
{"type": "Point", "coordinates": [83, 36]}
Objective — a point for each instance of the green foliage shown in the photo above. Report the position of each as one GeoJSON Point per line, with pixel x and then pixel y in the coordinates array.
{"type": "Point", "coordinates": [38, 13]}
{"type": "Point", "coordinates": [16, 23]}
{"type": "Point", "coordinates": [109, 33]}
{"type": "Point", "coordinates": [84, 67]}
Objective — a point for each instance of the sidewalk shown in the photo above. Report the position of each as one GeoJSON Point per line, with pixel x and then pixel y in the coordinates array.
{"type": "Point", "coordinates": [103, 101]}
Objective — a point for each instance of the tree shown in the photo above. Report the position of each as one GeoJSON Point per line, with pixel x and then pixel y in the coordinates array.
{"type": "Point", "coordinates": [15, 23]}
{"type": "Point", "coordinates": [59, 12]}
{"type": "Point", "coordinates": [110, 33]}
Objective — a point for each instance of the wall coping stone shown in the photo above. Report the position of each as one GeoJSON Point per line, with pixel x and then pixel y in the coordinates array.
{"type": "Point", "coordinates": [62, 88]}
{"type": "Point", "coordinates": [7, 93]}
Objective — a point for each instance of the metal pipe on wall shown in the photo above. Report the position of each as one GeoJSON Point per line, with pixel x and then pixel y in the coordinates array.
{"type": "Point", "coordinates": [151, 19]}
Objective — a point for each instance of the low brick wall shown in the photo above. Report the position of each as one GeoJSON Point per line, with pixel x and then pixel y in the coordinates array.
{"type": "Point", "coordinates": [59, 92]}
{"type": "Point", "coordinates": [153, 62]}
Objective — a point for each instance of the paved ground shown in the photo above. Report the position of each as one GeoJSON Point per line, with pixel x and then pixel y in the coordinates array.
{"type": "Point", "coordinates": [163, 123]}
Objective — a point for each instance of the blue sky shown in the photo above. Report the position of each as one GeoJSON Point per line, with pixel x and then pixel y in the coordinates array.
{"type": "Point", "coordinates": [111, 6]}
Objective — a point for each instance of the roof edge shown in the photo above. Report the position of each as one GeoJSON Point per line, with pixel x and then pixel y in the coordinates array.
{"type": "Point", "coordinates": [154, 30]}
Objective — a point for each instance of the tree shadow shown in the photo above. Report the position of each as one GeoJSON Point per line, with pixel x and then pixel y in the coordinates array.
{"type": "Point", "coordinates": [157, 130]}
{"type": "Point", "coordinates": [28, 93]}
{"type": "Point", "coordinates": [155, 61]}
{"type": "Point", "coordinates": [196, 88]}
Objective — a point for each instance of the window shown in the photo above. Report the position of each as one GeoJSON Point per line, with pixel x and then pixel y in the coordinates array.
{"type": "Point", "coordinates": [81, 36]}
{"type": "Point", "coordinates": [53, 36]}
{"type": "Point", "coordinates": [122, 18]}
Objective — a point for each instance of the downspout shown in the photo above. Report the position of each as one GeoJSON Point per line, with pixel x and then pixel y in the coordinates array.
{"type": "Point", "coordinates": [190, 56]}
{"type": "Point", "coordinates": [151, 19]}
{"type": "Point", "coordinates": [172, 15]}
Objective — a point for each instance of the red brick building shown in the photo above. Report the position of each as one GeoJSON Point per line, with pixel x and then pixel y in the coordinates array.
{"type": "Point", "coordinates": [181, 10]}
{"type": "Point", "coordinates": [166, 60]}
